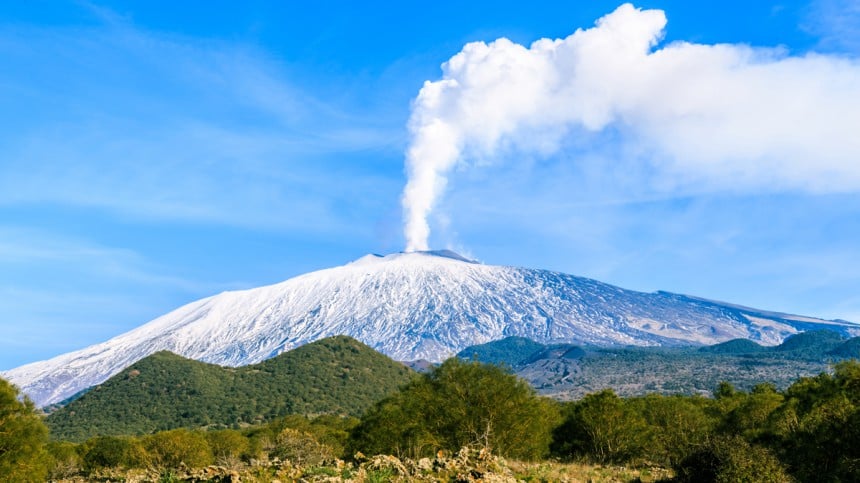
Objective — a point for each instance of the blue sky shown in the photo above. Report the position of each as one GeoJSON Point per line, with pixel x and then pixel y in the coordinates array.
{"type": "Point", "coordinates": [154, 154]}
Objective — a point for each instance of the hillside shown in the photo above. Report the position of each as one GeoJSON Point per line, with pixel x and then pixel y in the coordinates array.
{"type": "Point", "coordinates": [567, 371]}
{"type": "Point", "coordinates": [411, 306]}
{"type": "Point", "coordinates": [335, 375]}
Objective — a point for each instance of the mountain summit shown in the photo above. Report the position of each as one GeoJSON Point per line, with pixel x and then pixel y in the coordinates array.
{"type": "Point", "coordinates": [415, 305]}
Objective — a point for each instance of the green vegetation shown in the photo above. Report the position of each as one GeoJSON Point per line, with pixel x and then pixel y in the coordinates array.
{"type": "Point", "coordinates": [337, 375]}
{"type": "Point", "coordinates": [456, 421]}
{"type": "Point", "coordinates": [510, 351]}
{"type": "Point", "coordinates": [214, 455]}
{"type": "Point", "coordinates": [459, 404]}
{"type": "Point", "coordinates": [848, 349]}
{"type": "Point", "coordinates": [734, 346]}
{"type": "Point", "coordinates": [22, 438]}
{"type": "Point", "coordinates": [565, 371]}
{"type": "Point", "coordinates": [810, 431]}
{"type": "Point", "coordinates": [814, 344]}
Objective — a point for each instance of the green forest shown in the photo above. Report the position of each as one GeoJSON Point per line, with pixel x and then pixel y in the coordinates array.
{"type": "Point", "coordinates": [566, 371]}
{"type": "Point", "coordinates": [468, 421]}
{"type": "Point", "coordinates": [335, 375]}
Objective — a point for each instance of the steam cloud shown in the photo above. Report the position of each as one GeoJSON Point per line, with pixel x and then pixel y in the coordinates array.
{"type": "Point", "coordinates": [726, 115]}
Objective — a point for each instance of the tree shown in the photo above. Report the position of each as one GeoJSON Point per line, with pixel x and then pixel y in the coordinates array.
{"type": "Point", "coordinates": [601, 427]}
{"type": "Point", "coordinates": [824, 430]}
{"type": "Point", "coordinates": [22, 437]}
{"type": "Point", "coordinates": [678, 425]}
{"type": "Point", "coordinates": [750, 417]}
{"type": "Point", "coordinates": [460, 404]}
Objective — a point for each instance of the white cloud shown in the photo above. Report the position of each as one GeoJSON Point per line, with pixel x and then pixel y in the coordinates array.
{"type": "Point", "coordinates": [706, 116]}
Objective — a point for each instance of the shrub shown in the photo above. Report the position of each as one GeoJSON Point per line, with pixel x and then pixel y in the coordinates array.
{"type": "Point", "coordinates": [227, 446]}
{"type": "Point", "coordinates": [64, 460]}
{"type": "Point", "coordinates": [169, 449]}
{"type": "Point", "coordinates": [459, 404]}
{"type": "Point", "coordinates": [112, 452]}
{"type": "Point", "coordinates": [22, 437]}
{"type": "Point", "coordinates": [677, 425]}
{"type": "Point", "coordinates": [601, 427]}
{"type": "Point", "coordinates": [731, 460]}
{"type": "Point", "coordinates": [300, 448]}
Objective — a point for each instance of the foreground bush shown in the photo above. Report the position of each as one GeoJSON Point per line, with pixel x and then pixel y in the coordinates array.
{"type": "Point", "coordinates": [731, 460]}
{"type": "Point", "coordinates": [22, 438]}
{"type": "Point", "coordinates": [170, 449]}
{"type": "Point", "coordinates": [228, 446]}
{"type": "Point", "coordinates": [459, 404]}
{"type": "Point", "coordinates": [602, 427]}
{"type": "Point", "coordinates": [301, 448]}
{"type": "Point", "coordinates": [113, 452]}
{"type": "Point", "coordinates": [64, 461]}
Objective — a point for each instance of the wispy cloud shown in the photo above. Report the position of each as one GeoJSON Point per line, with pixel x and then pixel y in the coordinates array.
{"type": "Point", "coordinates": [70, 291]}
{"type": "Point", "coordinates": [159, 126]}
{"type": "Point", "coordinates": [836, 23]}
{"type": "Point", "coordinates": [38, 250]}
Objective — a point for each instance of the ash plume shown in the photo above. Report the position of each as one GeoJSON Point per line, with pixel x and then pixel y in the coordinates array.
{"type": "Point", "coordinates": [726, 116]}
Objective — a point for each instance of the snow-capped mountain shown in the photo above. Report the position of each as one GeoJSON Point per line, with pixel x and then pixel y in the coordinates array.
{"type": "Point", "coordinates": [421, 305]}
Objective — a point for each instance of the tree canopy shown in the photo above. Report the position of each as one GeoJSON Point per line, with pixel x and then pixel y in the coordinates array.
{"type": "Point", "coordinates": [460, 404]}
{"type": "Point", "coordinates": [22, 437]}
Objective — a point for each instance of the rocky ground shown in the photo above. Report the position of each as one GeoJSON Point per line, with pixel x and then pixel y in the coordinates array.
{"type": "Point", "coordinates": [468, 465]}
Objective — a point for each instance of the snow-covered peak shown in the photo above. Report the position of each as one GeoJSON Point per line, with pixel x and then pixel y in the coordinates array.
{"type": "Point", "coordinates": [416, 305]}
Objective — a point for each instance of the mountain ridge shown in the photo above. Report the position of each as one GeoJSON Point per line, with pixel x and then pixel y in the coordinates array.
{"type": "Point", "coordinates": [410, 306]}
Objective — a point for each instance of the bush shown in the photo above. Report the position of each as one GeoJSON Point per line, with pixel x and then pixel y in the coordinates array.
{"type": "Point", "coordinates": [601, 427]}
{"type": "Point", "coordinates": [459, 404]}
{"type": "Point", "coordinates": [112, 452]}
{"type": "Point", "coordinates": [731, 460]}
{"type": "Point", "coordinates": [169, 449]}
{"type": "Point", "coordinates": [22, 437]}
{"type": "Point", "coordinates": [227, 446]}
{"type": "Point", "coordinates": [64, 460]}
{"type": "Point", "coordinates": [301, 448]}
{"type": "Point", "coordinates": [677, 425]}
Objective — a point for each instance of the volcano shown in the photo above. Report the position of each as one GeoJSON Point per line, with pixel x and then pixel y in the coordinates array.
{"type": "Point", "coordinates": [409, 306]}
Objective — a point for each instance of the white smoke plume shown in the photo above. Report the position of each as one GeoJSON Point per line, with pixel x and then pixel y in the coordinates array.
{"type": "Point", "coordinates": [725, 115]}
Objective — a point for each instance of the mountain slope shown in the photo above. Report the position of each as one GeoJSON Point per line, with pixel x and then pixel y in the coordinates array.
{"type": "Point", "coordinates": [163, 391]}
{"type": "Point", "coordinates": [566, 371]}
{"type": "Point", "coordinates": [423, 305]}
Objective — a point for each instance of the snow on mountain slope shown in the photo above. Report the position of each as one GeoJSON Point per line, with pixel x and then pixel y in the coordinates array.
{"type": "Point", "coordinates": [422, 305]}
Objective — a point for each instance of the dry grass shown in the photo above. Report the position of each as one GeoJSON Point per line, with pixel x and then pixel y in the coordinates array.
{"type": "Point", "coordinates": [468, 465]}
{"type": "Point", "coordinates": [579, 472]}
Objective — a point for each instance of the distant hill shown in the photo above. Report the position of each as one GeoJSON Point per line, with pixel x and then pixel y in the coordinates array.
{"type": "Point", "coordinates": [814, 343]}
{"type": "Point", "coordinates": [336, 375]}
{"type": "Point", "coordinates": [510, 351]}
{"type": "Point", "coordinates": [568, 371]}
{"type": "Point", "coordinates": [848, 349]}
{"type": "Point", "coordinates": [734, 346]}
